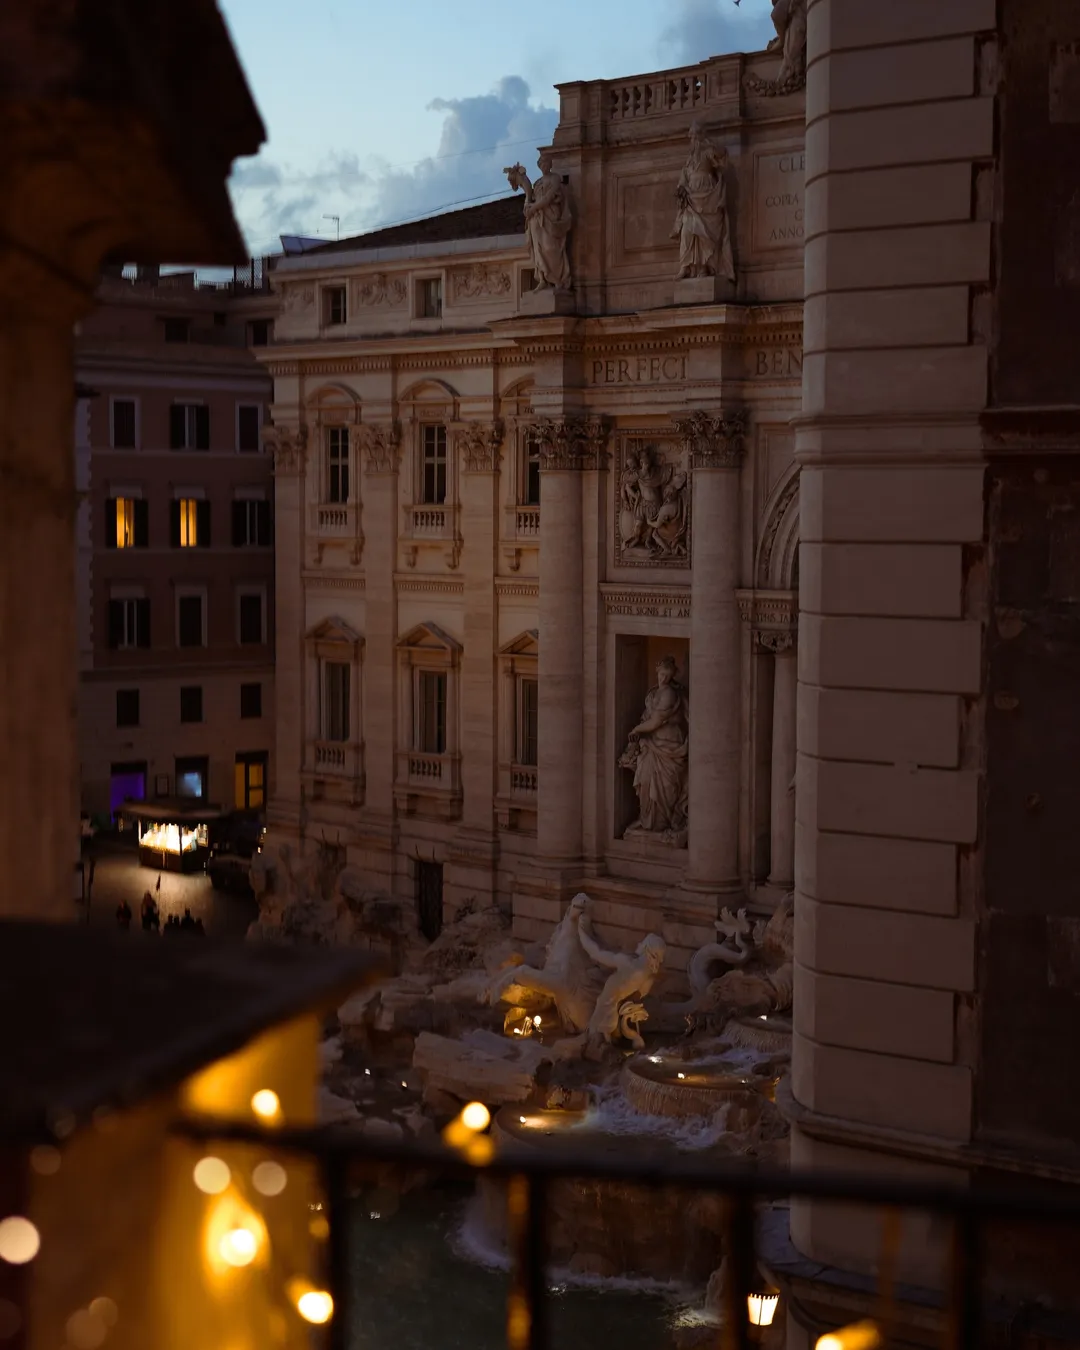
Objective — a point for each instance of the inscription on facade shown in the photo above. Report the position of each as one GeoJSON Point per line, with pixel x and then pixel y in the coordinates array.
{"type": "Point", "coordinates": [778, 200]}
{"type": "Point", "coordinates": [774, 363]}
{"type": "Point", "coordinates": [638, 370]}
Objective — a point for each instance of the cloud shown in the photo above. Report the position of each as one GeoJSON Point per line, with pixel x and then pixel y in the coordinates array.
{"type": "Point", "coordinates": [704, 28]}
{"type": "Point", "coordinates": [479, 136]}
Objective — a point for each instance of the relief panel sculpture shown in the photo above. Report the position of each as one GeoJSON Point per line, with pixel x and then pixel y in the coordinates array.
{"type": "Point", "coordinates": [652, 510]}
{"type": "Point", "coordinates": [478, 281]}
{"type": "Point", "coordinates": [657, 753]}
{"type": "Point", "coordinates": [381, 289]}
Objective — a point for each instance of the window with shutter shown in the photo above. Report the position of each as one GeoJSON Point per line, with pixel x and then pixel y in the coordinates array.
{"type": "Point", "coordinates": [239, 524]}
{"type": "Point", "coordinates": [142, 523]}
{"type": "Point", "coordinates": [189, 611]}
{"type": "Point", "coordinates": [202, 427]}
{"type": "Point", "coordinates": [123, 423]}
{"type": "Point", "coordinates": [262, 523]}
{"type": "Point", "coordinates": [110, 523]}
{"type": "Point", "coordinates": [127, 707]}
{"type": "Point", "coordinates": [248, 424]}
{"type": "Point", "coordinates": [251, 618]}
{"type": "Point", "coordinates": [187, 522]}
{"type": "Point", "coordinates": [250, 700]}
{"type": "Point", "coordinates": [174, 524]}
{"type": "Point", "coordinates": [142, 623]}
{"type": "Point", "coordinates": [124, 512]}
{"type": "Point", "coordinates": [191, 703]}
{"type": "Point", "coordinates": [116, 624]}
{"type": "Point", "coordinates": [178, 427]}
{"type": "Point", "coordinates": [202, 517]}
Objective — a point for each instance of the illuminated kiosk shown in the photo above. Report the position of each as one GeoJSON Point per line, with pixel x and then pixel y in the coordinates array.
{"type": "Point", "coordinates": [174, 836]}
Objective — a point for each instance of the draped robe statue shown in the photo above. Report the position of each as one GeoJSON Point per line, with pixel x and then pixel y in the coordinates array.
{"type": "Point", "coordinates": [702, 226]}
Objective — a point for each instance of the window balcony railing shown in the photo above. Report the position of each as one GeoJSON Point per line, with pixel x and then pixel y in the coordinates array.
{"type": "Point", "coordinates": [527, 522]}
{"type": "Point", "coordinates": [966, 1311]}
{"type": "Point", "coordinates": [339, 762]}
{"type": "Point", "coordinates": [428, 782]}
{"type": "Point", "coordinates": [334, 520]}
{"type": "Point", "coordinates": [524, 781]}
{"type": "Point", "coordinates": [430, 522]}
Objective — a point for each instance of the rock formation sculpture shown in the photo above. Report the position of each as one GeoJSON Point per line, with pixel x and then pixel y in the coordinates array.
{"type": "Point", "coordinates": [547, 224]}
{"type": "Point", "coordinates": [701, 225]}
{"type": "Point", "coordinates": [657, 752]}
{"type": "Point", "coordinates": [618, 1009]}
{"type": "Point", "coordinates": [566, 980]}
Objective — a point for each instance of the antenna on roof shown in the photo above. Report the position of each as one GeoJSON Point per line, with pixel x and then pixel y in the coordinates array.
{"type": "Point", "coordinates": [337, 225]}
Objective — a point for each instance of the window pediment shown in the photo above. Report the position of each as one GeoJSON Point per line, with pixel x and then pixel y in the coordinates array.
{"type": "Point", "coordinates": [525, 644]}
{"type": "Point", "coordinates": [430, 639]}
{"type": "Point", "coordinates": [335, 632]}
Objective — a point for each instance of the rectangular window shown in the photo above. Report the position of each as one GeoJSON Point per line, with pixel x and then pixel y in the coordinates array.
{"type": "Point", "coordinates": [528, 721]}
{"type": "Point", "coordinates": [192, 776]}
{"type": "Point", "coordinates": [127, 707]}
{"type": "Point", "coordinates": [531, 485]}
{"type": "Point", "coordinates": [123, 424]}
{"type": "Point", "coordinates": [250, 700]}
{"type": "Point", "coordinates": [248, 426]}
{"type": "Point", "coordinates": [251, 618]}
{"type": "Point", "coordinates": [337, 464]}
{"type": "Point", "coordinates": [129, 624]}
{"type": "Point", "coordinates": [191, 703]}
{"type": "Point", "coordinates": [127, 523]}
{"type": "Point", "coordinates": [250, 780]}
{"type": "Point", "coordinates": [334, 307]}
{"type": "Point", "coordinates": [433, 475]}
{"type": "Point", "coordinates": [335, 705]}
{"type": "Point", "coordinates": [176, 330]}
{"type": "Point", "coordinates": [429, 298]}
{"type": "Point", "coordinates": [189, 426]}
{"type": "Point", "coordinates": [190, 628]}
{"type": "Point", "coordinates": [431, 712]}
{"type": "Point", "coordinates": [251, 524]}
{"type": "Point", "coordinates": [259, 333]}
{"type": "Point", "coordinates": [189, 522]}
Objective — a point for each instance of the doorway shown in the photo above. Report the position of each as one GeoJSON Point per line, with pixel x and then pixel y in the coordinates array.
{"type": "Point", "coordinates": [429, 898]}
{"type": "Point", "coordinates": [127, 782]}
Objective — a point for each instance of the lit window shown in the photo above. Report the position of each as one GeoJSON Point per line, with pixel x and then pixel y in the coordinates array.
{"type": "Point", "coordinates": [337, 464]}
{"type": "Point", "coordinates": [189, 522]}
{"type": "Point", "coordinates": [433, 484]}
{"type": "Point", "coordinates": [335, 701]}
{"type": "Point", "coordinates": [431, 712]}
{"type": "Point", "coordinates": [528, 721]}
{"type": "Point", "coordinates": [429, 298]}
{"type": "Point", "coordinates": [125, 522]}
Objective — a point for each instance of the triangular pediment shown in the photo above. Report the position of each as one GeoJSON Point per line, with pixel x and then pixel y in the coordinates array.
{"type": "Point", "coordinates": [525, 644]}
{"type": "Point", "coordinates": [334, 629]}
{"type": "Point", "coordinates": [428, 637]}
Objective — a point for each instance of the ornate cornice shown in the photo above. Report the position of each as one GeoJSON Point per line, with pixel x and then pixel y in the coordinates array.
{"type": "Point", "coordinates": [288, 445]}
{"type": "Point", "coordinates": [522, 590]}
{"type": "Point", "coordinates": [479, 444]}
{"type": "Point", "coordinates": [319, 581]}
{"type": "Point", "coordinates": [574, 442]}
{"type": "Point", "coordinates": [714, 440]}
{"type": "Point", "coordinates": [429, 585]}
{"type": "Point", "coordinates": [381, 444]}
{"type": "Point", "coordinates": [773, 616]}
{"type": "Point", "coordinates": [649, 602]}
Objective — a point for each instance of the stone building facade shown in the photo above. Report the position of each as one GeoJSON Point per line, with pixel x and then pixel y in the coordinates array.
{"type": "Point", "coordinates": [175, 540]}
{"type": "Point", "coordinates": [499, 508]}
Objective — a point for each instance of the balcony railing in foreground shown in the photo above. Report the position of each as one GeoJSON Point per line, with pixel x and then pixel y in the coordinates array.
{"type": "Point", "coordinates": [466, 1151]}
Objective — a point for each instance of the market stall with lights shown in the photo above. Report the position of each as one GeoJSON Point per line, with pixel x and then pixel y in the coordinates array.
{"type": "Point", "coordinates": [174, 835]}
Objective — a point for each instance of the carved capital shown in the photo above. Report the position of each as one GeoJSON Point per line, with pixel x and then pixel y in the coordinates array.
{"type": "Point", "coordinates": [776, 640]}
{"type": "Point", "coordinates": [288, 445]}
{"type": "Point", "coordinates": [714, 440]}
{"type": "Point", "coordinates": [381, 444]}
{"type": "Point", "coordinates": [571, 442]}
{"type": "Point", "coordinates": [480, 445]}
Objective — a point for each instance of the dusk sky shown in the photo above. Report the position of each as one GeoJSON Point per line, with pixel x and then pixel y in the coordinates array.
{"type": "Point", "coordinates": [381, 112]}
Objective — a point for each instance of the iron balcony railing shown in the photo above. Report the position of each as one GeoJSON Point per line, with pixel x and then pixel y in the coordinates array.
{"type": "Point", "coordinates": [529, 1173]}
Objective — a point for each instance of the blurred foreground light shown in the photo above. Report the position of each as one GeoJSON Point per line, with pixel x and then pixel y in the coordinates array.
{"type": "Point", "coordinates": [212, 1176]}
{"type": "Point", "coordinates": [86, 1330]}
{"type": "Point", "coordinates": [857, 1336]}
{"type": "Point", "coordinates": [10, 1320]}
{"type": "Point", "coordinates": [106, 1309]}
{"type": "Point", "coordinates": [315, 1306]}
{"type": "Point", "coordinates": [266, 1104]}
{"type": "Point", "coordinates": [319, 1228]}
{"type": "Point", "coordinates": [238, 1247]}
{"type": "Point", "coordinates": [20, 1241]}
{"type": "Point", "coordinates": [761, 1309]}
{"type": "Point", "coordinates": [476, 1116]}
{"type": "Point", "coordinates": [45, 1160]}
{"type": "Point", "coordinates": [269, 1178]}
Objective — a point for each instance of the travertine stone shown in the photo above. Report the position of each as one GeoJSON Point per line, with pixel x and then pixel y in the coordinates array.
{"type": "Point", "coordinates": [872, 1015]}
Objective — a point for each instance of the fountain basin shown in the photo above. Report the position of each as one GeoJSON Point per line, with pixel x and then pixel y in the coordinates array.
{"type": "Point", "coordinates": [769, 1033]}
{"type": "Point", "coordinates": [665, 1085]}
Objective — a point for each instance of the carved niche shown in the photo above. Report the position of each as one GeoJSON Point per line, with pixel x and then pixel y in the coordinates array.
{"type": "Point", "coordinates": [652, 500]}
{"type": "Point", "coordinates": [381, 289]}
{"type": "Point", "coordinates": [288, 445]}
{"type": "Point", "coordinates": [478, 281]}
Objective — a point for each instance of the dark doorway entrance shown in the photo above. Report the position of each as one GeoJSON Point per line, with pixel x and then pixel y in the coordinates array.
{"type": "Point", "coordinates": [429, 898]}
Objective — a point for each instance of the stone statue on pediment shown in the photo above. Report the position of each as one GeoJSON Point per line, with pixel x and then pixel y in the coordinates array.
{"type": "Point", "coordinates": [658, 754]}
{"type": "Point", "coordinates": [789, 20]}
{"type": "Point", "coordinates": [547, 224]}
{"type": "Point", "coordinates": [701, 225]}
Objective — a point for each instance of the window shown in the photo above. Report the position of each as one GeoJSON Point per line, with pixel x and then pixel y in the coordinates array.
{"type": "Point", "coordinates": [190, 621]}
{"type": "Point", "coordinates": [248, 427]}
{"type": "Point", "coordinates": [250, 700]}
{"type": "Point", "coordinates": [531, 477]}
{"type": "Point", "coordinates": [259, 333]}
{"type": "Point", "coordinates": [251, 618]}
{"type": "Point", "coordinates": [191, 703]}
{"type": "Point", "coordinates": [189, 426]}
{"type": "Point", "coordinates": [250, 780]}
{"type": "Point", "coordinates": [334, 308]}
{"type": "Point", "coordinates": [429, 298]}
{"type": "Point", "coordinates": [192, 776]}
{"type": "Point", "coordinates": [176, 330]}
{"type": "Point", "coordinates": [127, 523]}
{"type": "Point", "coordinates": [123, 432]}
{"type": "Point", "coordinates": [334, 717]}
{"type": "Point", "coordinates": [431, 712]}
{"type": "Point", "coordinates": [433, 466]}
{"type": "Point", "coordinates": [528, 721]}
{"type": "Point", "coordinates": [189, 522]}
{"type": "Point", "coordinates": [337, 464]}
{"type": "Point", "coordinates": [129, 623]}
{"type": "Point", "coordinates": [127, 707]}
{"type": "Point", "coordinates": [251, 524]}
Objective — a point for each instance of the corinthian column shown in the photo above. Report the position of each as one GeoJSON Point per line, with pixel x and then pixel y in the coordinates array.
{"type": "Point", "coordinates": [782, 814]}
{"type": "Point", "coordinates": [567, 446]}
{"type": "Point", "coordinates": [715, 445]}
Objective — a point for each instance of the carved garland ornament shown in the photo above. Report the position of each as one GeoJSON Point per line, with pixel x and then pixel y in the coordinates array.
{"type": "Point", "coordinates": [479, 444]}
{"type": "Point", "coordinates": [288, 445]}
{"type": "Point", "coordinates": [571, 442]}
{"type": "Point", "coordinates": [381, 442]}
{"type": "Point", "coordinates": [714, 440]}
{"type": "Point", "coordinates": [381, 290]}
{"type": "Point", "coordinates": [470, 283]}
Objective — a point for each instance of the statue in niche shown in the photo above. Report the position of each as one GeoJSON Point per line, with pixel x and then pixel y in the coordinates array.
{"type": "Point", "coordinates": [619, 1010]}
{"type": "Point", "coordinates": [657, 752]}
{"type": "Point", "coordinates": [654, 515]}
{"type": "Point", "coordinates": [701, 225]}
{"type": "Point", "coordinates": [547, 224]}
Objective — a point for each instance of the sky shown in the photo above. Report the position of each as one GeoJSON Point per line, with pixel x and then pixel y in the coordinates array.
{"type": "Point", "coordinates": [380, 111]}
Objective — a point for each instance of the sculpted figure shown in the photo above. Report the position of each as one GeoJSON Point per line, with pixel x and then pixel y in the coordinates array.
{"type": "Point", "coordinates": [763, 955]}
{"type": "Point", "coordinates": [658, 753]}
{"type": "Point", "coordinates": [566, 979]}
{"type": "Point", "coordinates": [789, 20]}
{"type": "Point", "coordinates": [547, 224]}
{"type": "Point", "coordinates": [618, 1010]}
{"type": "Point", "coordinates": [667, 527]}
{"type": "Point", "coordinates": [701, 225]}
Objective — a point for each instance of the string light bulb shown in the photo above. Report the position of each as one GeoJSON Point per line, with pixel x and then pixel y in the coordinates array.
{"type": "Point", "coordinates": [20, 1241]}
{"type": "Point", "coordinates": [316, 1306]}
{"type": "Point", "coordinates": [476, 1116]}
{"type": "Point", "coordinates": [266, 1104]}
{"type": "Point", "coordinates": [238, 1247]}
{"type": "Point", "coordinates": [212, 1176]}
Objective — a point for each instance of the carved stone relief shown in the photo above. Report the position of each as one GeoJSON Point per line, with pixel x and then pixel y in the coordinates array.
{"type": "Point", "coordinates": [296, 299]}
{"type": "Point", "coordinates": [571, 442]}
{"type": "Point", "coordinates": [477, 281]}
{"type": "Point", "coordinates": [288, 445]}
{"type": "Point", "coordinates": [381, 444]}
{"type": "Point", "coordinates": [381, 289]}
{"type": "Point", "coordinates": [480, 445]}
{"type": "Point", "coordinates": [714, 440]}
{"type": "Point", "coordinates": [657, 753]}
{"type": "Point", "coordinates": [652, 507]}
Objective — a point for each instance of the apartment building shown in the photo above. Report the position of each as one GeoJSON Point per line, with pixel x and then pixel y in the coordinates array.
{"type": "Point", "coordinates": [176, 542]}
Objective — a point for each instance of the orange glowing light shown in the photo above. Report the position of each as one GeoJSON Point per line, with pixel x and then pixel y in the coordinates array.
{"type": "Point", "coordinates": [20, 1241]}
{"type": "Point", "coordinates": [857, 1336]}
{"type": "Point", "coordinates": [476, 1116]}
{"type": "Point", "coordinates": [316, 1306]}
{"type": "Point", "coordinates": [212, 1176]}
{"type": "Point", "coordinates": [238, 1247]}
{"type": "Point", "coordinates": [266, 1104]}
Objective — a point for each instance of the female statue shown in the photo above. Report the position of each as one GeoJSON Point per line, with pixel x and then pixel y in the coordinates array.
{"type": "Point", "coordinates": [657, 752]}
{"type": "Point", "coordinates": [547, 224]}
{"type": "Point", "coordinates": [701, 225]}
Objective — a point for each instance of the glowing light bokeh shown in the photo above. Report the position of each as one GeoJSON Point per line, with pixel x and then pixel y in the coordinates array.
{"type": "Point", "coordinates": [476, 1116]}
{"type": "Point", "coordinates": [45, 1160]}
{"type": "Point", "coordinates": [20, 1241]}
{"type": "Point", "coordinates": [266, 1104]}
{"type": "Point", "coordinates": [212, 1176]}
{"type": "Point", "coordinates": [316, 1306]}
{"type": "Point", "coordinates": [86, 1330]}
{"type": "Point", "coordinates": [269, 1178]}
{"type": "Point", "coordinates": [238, 1247]}
{"type": "Point", "coordinates": [857, 1336]}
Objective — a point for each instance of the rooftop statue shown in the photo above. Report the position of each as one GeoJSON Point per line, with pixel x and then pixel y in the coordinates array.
{"type": "Point", "coordinates": [547, 224]}
{"type": "Point", "coordinates": [701, 225]}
